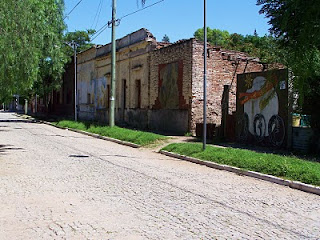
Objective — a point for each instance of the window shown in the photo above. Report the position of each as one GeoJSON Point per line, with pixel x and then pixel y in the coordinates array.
{"type": "Point", "coordinates": [138, 93]}
{"type": "Point", "coordinates": [124, 93]}
{"type": "Point", "coordinates": [69, 96]}
{"type": "Point", "coordinates": [58, 98]}
{"type": "Point", "coordinates": [88, 98]}
{"type": "Point", "coordinates": [108, 96]}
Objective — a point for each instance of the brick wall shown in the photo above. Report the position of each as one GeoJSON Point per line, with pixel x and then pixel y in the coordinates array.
{"type": "Point", "coordinates": [170, 87]}
{"type": "Point", "coordinates": [169, 80]}
{"type": "Point", "coordinates": [222, 69]}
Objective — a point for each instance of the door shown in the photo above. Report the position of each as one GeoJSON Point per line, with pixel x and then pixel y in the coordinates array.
{"type": "Point", "coordinates": [123, 99]}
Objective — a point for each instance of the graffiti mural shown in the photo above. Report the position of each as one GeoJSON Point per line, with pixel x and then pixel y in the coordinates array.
{"type": "Point", "coordinates": [100, 92]}
{"type": "Point", "coordinates": [262, 107]}
{"type": "Point", "coordinates": [170, 83]}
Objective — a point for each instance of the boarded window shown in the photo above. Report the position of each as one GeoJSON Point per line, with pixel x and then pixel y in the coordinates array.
{"type": "Point", "coordinates": [138, 94]}
{"type": "Point", "coordinates": [124, 94]}
{"type": "Point", "coordinates": [108, 96]}
{"type": "Point", "coordinates": [69, 97]}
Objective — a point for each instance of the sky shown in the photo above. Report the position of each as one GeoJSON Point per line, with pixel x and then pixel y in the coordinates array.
{"type": "Point", "coordinates": [178, 19]}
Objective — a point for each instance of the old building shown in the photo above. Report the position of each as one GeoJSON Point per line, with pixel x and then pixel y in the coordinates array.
{"type": "Point", "coordinates": [62, 103]}
{"type": "Point", "coordinates": [159, 86]}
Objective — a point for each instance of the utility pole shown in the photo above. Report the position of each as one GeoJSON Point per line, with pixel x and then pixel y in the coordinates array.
{"type": "Point", "coordinates": [205, 77]}
{"type": "Point", "coordinates": [75, 80]}
{"type": "Point", "coordinates": [113, 65]}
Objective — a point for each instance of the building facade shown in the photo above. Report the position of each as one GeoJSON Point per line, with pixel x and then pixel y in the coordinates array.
{"type": "Point", "coordinates": [159, 86]}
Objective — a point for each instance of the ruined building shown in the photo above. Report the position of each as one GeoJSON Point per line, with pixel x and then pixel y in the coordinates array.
{"type": "Point", "coordinates": [159, 86]}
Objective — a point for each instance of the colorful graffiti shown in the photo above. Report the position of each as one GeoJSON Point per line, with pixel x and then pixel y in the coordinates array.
{"type": "Point", "coordinates": [260, 119]}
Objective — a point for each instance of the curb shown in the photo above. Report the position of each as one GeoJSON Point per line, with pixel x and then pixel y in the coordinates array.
{"type": "Point", "coordinates": [25, 119]}
{"type": "Point", "coordinates": [129, 144]}
{"type": "Point", "coordinates": [292, 184]}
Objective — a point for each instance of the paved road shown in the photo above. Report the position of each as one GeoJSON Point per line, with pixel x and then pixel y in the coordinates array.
{"type": "Point", "coordinates": [57, 184]}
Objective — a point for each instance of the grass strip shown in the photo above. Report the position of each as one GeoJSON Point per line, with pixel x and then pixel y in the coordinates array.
{"type": "Point", "coordinates": [124, 134]}
{"type": "Point", "coordinates": [291, 168]}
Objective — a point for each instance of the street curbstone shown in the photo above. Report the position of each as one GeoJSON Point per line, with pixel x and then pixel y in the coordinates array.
{"type": "Point", "coordinates": [265, 177]}
{"type": "Point", "coordinates": [98, 136]}
{"type": "Point", "coordinates": [304, 187]}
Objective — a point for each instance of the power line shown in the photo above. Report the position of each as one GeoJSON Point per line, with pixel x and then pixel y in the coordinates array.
{"type": "Point", "coordinates": [104, 27]}
{"type": "Point", "coordinates": [72, 9]}
{"type": "Point", "coordinates": [97, 14]}
{"type": "Point", "coordinates": [101, 30]}
{"type": "Point", "coordinates": [141, 9]}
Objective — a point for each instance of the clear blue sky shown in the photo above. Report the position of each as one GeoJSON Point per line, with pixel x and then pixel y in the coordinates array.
{"type": "Point", "coordinates": [179, 19]}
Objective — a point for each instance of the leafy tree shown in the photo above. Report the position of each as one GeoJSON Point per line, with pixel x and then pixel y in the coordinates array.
{"type": "Point", "coordinates": [214, 36]}
{"type": "Point", "coordinates": [31, 45]}
{"type": "Point", "coordinates": [82, 38]}
{"type": "Point", "coordinates": [165, 38]}
{"type": "Point", "coordinates": [296, 24]}
{"type": "Point", "coordinates": [264, 47]}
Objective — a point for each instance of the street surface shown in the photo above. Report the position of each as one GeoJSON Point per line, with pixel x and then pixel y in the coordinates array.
{"type": "Point", "coordinates": [57, 184]}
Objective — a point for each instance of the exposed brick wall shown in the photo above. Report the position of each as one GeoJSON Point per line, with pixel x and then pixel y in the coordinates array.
{"type": "Point", "coordinates": [170, 80]}
{"type": "Point", "coordinates": [222, 67]}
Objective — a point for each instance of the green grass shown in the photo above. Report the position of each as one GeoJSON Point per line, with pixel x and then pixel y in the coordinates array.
{"type": "Point", "coordinates": [281, 166]}
{"type": "Point", "coordinates": [124, 134]}
{"type": "Point", "coordinates": [188, 134]}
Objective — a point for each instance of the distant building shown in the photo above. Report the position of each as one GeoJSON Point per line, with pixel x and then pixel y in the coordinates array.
{"type": "Point", "coordinates": [62, 102]}
{"type": "Point", "coordinates": [57, 102]}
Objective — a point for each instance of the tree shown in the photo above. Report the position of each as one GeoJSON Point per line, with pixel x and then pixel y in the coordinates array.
{"type": "Point", "coordinates": [295, 23]}
{"type": "Point", "coordinates": [165, 38]}
{"type": "Point", "coordinates": [214, 36]}
{"type": "Point", "coordinates": [31, 44]}
{"type": "Point", "coordinates": [82, 38]}
{"type": "Point", "coordinates": [265, 48]}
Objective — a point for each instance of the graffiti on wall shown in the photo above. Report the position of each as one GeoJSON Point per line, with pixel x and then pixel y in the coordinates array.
{"type": "Point", "coordinates": [94, 92]}
{"type": "Point", "coordinates": [170, 83]}
{"type": "Point", "coordinates": [100, 92]}
{"type": "Point", "coordinates": [262, 108]}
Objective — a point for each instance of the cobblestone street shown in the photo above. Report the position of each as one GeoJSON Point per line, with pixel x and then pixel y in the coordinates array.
{"type": "Point", "coordinates": [57, 184]}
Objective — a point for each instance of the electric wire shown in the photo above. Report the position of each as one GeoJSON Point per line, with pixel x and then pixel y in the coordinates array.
{"type": "Point", "coordinates": [72, 9]}
{"type": "Point", "coordinates": [101, 30]}
{"type": "Point", "coordinates": [104, 27]}
{"type": "Point", "coordinates": [139, 10]}
{"type": "Point", "coordinates": [96, 17]}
